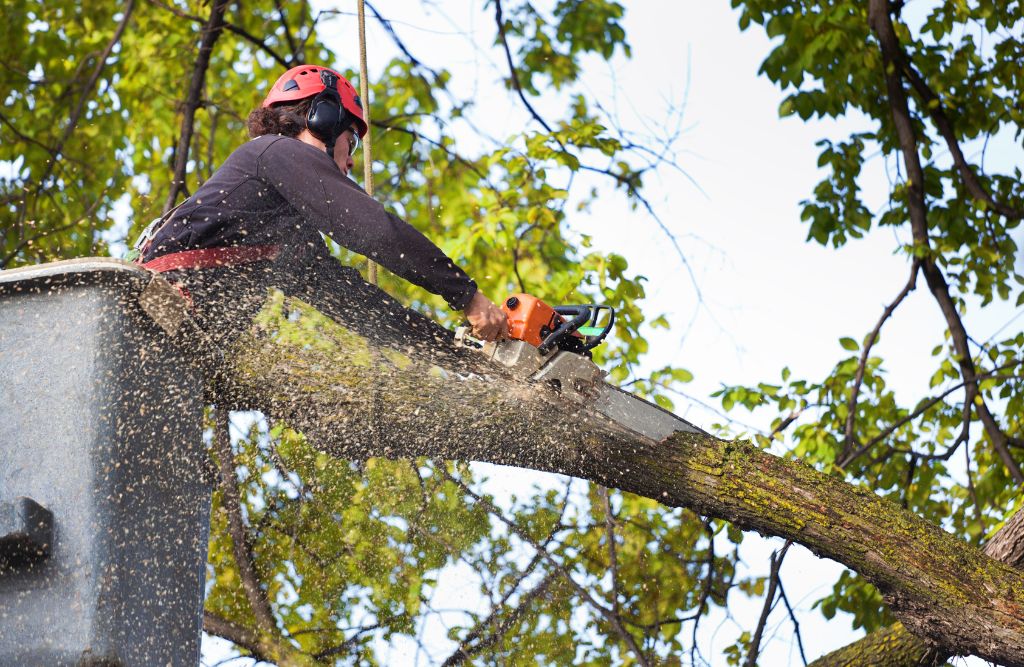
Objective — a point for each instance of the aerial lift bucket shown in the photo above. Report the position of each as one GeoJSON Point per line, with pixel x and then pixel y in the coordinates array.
{"type": "Point", "coordinates": [104, 495]}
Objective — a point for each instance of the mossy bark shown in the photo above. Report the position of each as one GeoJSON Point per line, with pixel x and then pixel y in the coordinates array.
{"type": "Point", "coordinates": [358, 400]}
{"type": "Point", "coordinates": [895, 646]}
{"type": "Point", "coordinates": [892, 646]}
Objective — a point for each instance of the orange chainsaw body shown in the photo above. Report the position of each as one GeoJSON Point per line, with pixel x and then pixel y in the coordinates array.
{"type": "Point", "coordinates": [530, 319]}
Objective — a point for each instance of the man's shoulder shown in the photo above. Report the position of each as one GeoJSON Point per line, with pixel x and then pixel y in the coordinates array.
{"type": "Point", "coordinates": [261, 143]}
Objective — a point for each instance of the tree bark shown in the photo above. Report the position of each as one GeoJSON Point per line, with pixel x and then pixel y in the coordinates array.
{"type": "Point", "coordinates": [323, 378]}
{"type": "Point", "coordinates": [895, 646]}
{"type": "Point", "coordinates": [211, 31]}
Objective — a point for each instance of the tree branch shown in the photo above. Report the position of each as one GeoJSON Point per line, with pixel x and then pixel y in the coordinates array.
{"type": "Point", "coordinates": [233, 632]}
{"type": "Point", "coordinates": [241, 32]}
{"type": "Point", "coordinates": [231, 502]}
{"type": "Point", "coordinates": [608, 614]}
{"type": "Point", "coordinates": [513, 74]}
{"type": "Point", "coordinates": [851, 405]}
{"type": "Point", "coordinates": [921, 409]}
{"type": "Point", "coordinates": [465, 652]}
{"type": "Point", "coordinates": [881, 24]}
{"type": "Point", "coordinates": [390, 29]}
{"type": "Point", "coordinates": [796, 623]}
{"type": "Point", "coordinates": [210, 32]}
{"type": "Point", "coordinates": [769, 603]}
{"type": "Point", "coordinates": [287, 30]}
{"type": "Point", "coordinates": [931, 103]}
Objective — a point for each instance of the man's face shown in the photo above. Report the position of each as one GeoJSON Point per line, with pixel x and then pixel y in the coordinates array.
{"type": "Point", "coordinates": [343, 150]}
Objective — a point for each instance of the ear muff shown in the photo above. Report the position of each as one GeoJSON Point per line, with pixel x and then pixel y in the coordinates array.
{"type": "Point", "coordinates": [326, 117]}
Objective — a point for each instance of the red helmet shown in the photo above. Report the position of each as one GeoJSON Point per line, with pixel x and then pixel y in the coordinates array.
{"type": "Point", "coordinates": [304, 81]}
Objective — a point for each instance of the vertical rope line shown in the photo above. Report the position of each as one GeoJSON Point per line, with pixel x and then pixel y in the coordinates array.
{"type": "Point", "coordinates": [364, 94]}
{"type": "Point", "coordinates": [371, 267]}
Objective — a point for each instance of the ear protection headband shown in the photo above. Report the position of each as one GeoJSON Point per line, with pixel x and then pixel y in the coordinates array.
{"type": "Point", "coordinates": [327, 119]}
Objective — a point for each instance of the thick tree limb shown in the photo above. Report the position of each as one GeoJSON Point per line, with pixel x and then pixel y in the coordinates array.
{"type": "Point", "coordinates": [943, 589]}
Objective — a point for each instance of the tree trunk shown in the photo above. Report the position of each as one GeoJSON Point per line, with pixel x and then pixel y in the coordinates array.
{"type": "Point", "coordinates": [346, 393]}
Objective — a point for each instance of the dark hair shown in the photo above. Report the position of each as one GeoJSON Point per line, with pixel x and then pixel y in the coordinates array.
{"type": "Point", "coordinates": [286, 119]}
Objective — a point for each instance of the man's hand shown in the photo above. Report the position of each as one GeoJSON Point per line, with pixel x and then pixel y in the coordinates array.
{"type": "Point", "coordinates": [488, 321]}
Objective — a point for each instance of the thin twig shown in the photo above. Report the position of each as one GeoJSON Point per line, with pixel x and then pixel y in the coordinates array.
{"type": "Point", "coordinates": [769, 603]}
{"type": "Point", "coordinates": [513, 72]}
{"type": "Point", "coordinates": [796, 623]}
{"type": "Point", "coordinates": [851, 404]}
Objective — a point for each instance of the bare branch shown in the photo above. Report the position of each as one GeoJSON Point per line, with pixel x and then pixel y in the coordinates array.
{"type": "Point", "coordinates": [796, 623]}
{"type": "Point", "coordinates": [513, 73]}
{"type": "Point", "coordinates": [287, 29]}
{"type": "Point", "coordinates": [239, 536]}
{"type": "Point", "coordinates": [851, 404]}
{"type": "Point", "coordinates": [769, 602]}
{"type": "Point", "coordinates": [390, 29]}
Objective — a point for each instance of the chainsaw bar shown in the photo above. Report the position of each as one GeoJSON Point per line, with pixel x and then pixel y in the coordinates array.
{"type": "Point", "coordinates": [578, 379]}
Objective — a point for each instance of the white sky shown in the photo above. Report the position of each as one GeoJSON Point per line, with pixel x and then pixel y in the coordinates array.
{"type": "Point", "coordinates": [771, 298]}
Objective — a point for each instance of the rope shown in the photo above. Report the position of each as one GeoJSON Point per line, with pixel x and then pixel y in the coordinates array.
{"type": "Point", "coordinates": [371, 267]}
{"type": "Point", "coordinates": [364, 95]}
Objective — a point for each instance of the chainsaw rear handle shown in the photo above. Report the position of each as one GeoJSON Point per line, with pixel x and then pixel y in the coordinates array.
{"type": "Point", "coordinates": [594, 340]}
{"type": "Point", "coordinates": [580, 315]}
{"type": "Point", "coordinates": [567, 328]}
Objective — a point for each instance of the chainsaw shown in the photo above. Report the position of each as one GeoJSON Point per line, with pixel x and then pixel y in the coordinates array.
{"type": "Point", "coordinates": [551, 345]}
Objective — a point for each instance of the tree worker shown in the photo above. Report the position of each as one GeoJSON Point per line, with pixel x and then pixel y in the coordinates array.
{"type": "Point", "coordinates": [257, 222]}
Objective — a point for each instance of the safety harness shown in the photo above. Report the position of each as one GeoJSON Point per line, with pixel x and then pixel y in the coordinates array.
{"type": "Point", "coordinates": [208, 258]}
{"type": "Point", "coordinates": [200, 258]}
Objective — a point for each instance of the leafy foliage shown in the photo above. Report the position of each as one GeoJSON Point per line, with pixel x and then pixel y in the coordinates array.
{"type": "Point", "coordinates": [350, 556]}
{"type": "Point", "coordinates": [956, 64]}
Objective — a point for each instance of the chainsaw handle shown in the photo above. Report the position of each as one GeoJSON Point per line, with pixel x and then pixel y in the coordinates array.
{"type": "Point", "coordinates": [581, 315]}
{"type": "Point", "coordinates": [594, 341]}
{"type": "Point", "coordinates": [593, 314]}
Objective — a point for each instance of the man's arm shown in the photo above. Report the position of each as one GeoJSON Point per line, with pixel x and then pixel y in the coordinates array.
{"type": "Point", "coordinates": [310, 181]}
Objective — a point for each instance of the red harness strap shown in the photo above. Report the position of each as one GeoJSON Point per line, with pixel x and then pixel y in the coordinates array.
{"type": "Point", "coordinates": [208, 258]}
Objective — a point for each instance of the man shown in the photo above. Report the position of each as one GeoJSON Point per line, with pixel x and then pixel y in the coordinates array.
{"type": "Point", "coordinates": [258, 220]}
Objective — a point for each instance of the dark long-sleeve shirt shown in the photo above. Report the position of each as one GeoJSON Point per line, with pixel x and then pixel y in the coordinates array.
{"type": "Point", "coordinates": [278, 190]}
